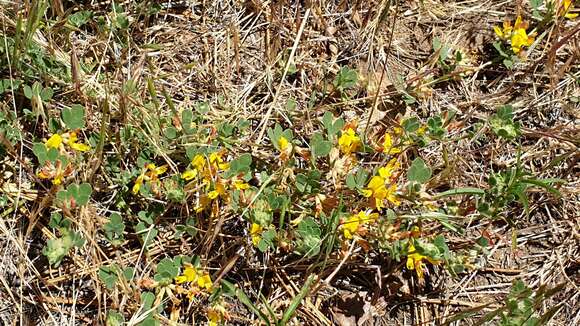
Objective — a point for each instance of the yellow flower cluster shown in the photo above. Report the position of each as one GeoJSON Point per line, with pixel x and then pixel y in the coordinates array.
{"type": "Point", "coordinates": [256, 233]}
{"type": "Point", "coordinates": [150, 173]}
{"type": "Point", "coordinates": [354, 225]}
{"type": "Point", "coordinates": [200, 166]}
{"type": "Point", "coordinates": [415, 260]}
{"type": "Point", "coordinates": [565, 7]}
{"type": "Point", "coordinates": [196, 277]}
{"type": "Point", "coordinates": [283, 143]}
{"type": "Point", "coordinates": [70, 139]}
{"type": "Point", "coordinates": [56, 171]}
{"type": "Point", "coordinates": [516, 34]}
{"type": "Point", "coordinates": [381, 187]}
{"type": "Point", "coordinates": [348, 142]}
{"type": "Point", "coordinates": [216, 315]}
{"type": "Point", "coordinates": [388, 146]}
{"type": "Point", "coordinates": [208, 172]}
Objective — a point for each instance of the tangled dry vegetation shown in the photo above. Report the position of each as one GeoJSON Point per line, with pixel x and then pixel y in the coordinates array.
{"type": "Point", "coordinates": [348, 162]}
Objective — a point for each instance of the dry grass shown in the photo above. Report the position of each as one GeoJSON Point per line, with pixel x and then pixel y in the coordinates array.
{"type": "Point", "coordinates": [249, 60]}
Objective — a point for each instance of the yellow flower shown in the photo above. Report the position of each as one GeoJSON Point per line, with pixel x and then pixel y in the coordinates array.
{"type": "Point", "coordinates": [155, 170]}
{"type": "Point", "coordinates": [377, 186]}
{"type": "Point", "coordinates": [213, 318]}
{"type": "Point", "coordinates": [189, 174]}
{"type": "Point", "coordinates": [256, 233]}
{"type": "Point", "coordinates": [198, 162]}
{"type": "Point", "coordinates": [150, 173]}
{"type": "Point", "coordinates": [55, 172]}
{"type": "Point", "coordinates": [516, 34]}
{"type": "Point", "coordinates": [520, 37]}
{"type": "Point", "coordinates": [387, 171]}
{"type": "Point", "coordinates": [351, 226]}
{"type": "Point", "coordinates": [70, 139]}
{"type": "Point", "coordinates": [566, 8]}
{"type": "Point", "coordinates": [348, 141]}
{"type": "Point", "coordinates": [391, 195]}
{"type": "Point", "coordinates": [189, 275]}
{"type": "Point", "coordinates": [213, 194]}
{"type": "Point", "coordinates": [240, 184]}
{"type": "Point", "coordinates": [192, 275]}
{"type": "Point", "coordinates": [216, 160]}
{"type": "Point", "coordinates": [72, 142]}
{"type": "Point", "coordinates": [204, 281]}
{"type": "Point", "coordinates": [388, 147]}
{"type": "Point", "coordinates": [54, 141]}
{"type": "Point", "coordinates": [138, 184]}
{"type": "Point", "coordinates": [283, 143]}
{"type": "Point", "coordinates": [216, 315]}
{"type": "Point", "coordinates": [504, 33]}
{"type": "Point", "coordinates": [415, 260]}
{"type": "Point", "coordinates": [421, 130]}
{"type": "Point", "coordinates": [220, 190]}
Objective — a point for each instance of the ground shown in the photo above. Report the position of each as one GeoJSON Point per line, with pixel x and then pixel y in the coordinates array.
{"type": "Point", "coordinates": [290, 162]}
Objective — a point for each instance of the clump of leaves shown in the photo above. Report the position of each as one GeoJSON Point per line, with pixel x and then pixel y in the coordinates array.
{"type": "Point", "coordinates": [145, 228]}
{"type": "Point", "coordinates": [502, 123]}
{"type": "Point", "coordinates": [56, 249]}
{"type": "Point", "coordinates": [74, 195]}
{"type": "Point", "coordinates": [345, 79]}
{"type": "Point", "coordinates": [509, 186]}
{"type": "Point", "coordinates": [308, 237]}
{"type": "Point", "coordinates": [114, 229]}
{"type": "Point", "coordinates": [522, 305]}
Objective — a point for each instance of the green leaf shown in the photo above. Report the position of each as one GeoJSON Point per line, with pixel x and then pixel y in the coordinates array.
{"type": "Point", "coordinates": [170, 132]}
{"type": "Point", "coordinates": [166, 270]}
{"type": "Point", "coordinates": [114, 229]}
{"type": "Point", "coordinates": [146, 217]}
{"type": "Point", "coordinates": [332, 126]}
{"type": "Point", "coordinates": [428, 249]}
{"type": "Point", "coordinates": [345, 79]}
{"type": "Point", "coordinates": [267, 240]}
{"type": "Point", "coordinates": [40, 151]}
{"type": "Point", "coordinates": [319, 146]}
{"type": "Point", "coordinates": [147, 235]}
{"type": "Point", "coordinates": [80, 18]}
{"type": "Point", "coordinates": [122, 21]}
{"type": "Point", "coordinates": [419, 171]}
{"type": "Point", "coordinates": [52, 154]}
{"type": "Point", "coordinates": [503, 125]}
{"type": "Point", "coordinates": [241, 164]}
{"type": "Point", "coordinates": [187, 120]}
{"type": "Point", "coordinates": [84, 194]}
{"type": "Point", "coordinates": [461, 191]}
{"type": "Point", "coordinates": [74, 117]}
{"type": "Point", "coordinates": [46, 94]}
{"type": "Point", "coordinates": [27, 92]}
{"type": "Point", "coordinates": [308, 183]}
{"type": "Point", "coordinates": [244, 299]}
{"type": "Point", "coordinates": [297, 299]}
{"type": "Point", "coordinates": [55, 250]}
{"type": "Point", "coordinates": [108, 275]}
{"type": "Point", "coordinates": [129, 273]}
{"type": "Point", "coordinates": [309, 237]}
{"type": "Point", "coordinates": [351, 182]}
{"type": "Point", "coordinates": [411, 125]}
{"type": "Point", "coordinates": [262, 217]}
{"type": "Point", "coordinates": [147, 300]}
{"type": "Point", "coordinates": [114, 318]}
